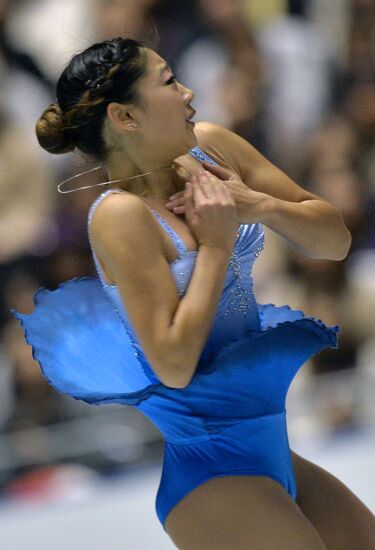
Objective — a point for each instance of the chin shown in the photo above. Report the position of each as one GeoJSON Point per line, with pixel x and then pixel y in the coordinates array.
{"type": "Point", "coordinates": [193, 140]}
{"type": "Point", "coordinates": [189, 144]}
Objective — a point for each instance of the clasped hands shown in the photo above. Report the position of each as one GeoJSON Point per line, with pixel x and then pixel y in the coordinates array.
{"type": "Point", "coordinates": [249, 203]}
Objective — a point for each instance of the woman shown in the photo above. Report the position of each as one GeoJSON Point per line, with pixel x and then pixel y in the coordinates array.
{"type": "Point", "coordinates": [172, 327]}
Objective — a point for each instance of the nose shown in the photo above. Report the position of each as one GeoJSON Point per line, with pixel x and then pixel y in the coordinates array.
{"type": "Point", "coordinates": [187, 94]}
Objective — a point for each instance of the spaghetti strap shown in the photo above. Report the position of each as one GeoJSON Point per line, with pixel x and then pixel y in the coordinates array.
{"type": "Point", "coordinates": [180, 245]}
{"type": "Point", "coordinates": [181, 248]}
{"type": "Point", "coordinates": [201, 156]}
{"type": "Point", "coordinates": [89, 219]}
{"type": "Point", "coordinates": [178, 242]}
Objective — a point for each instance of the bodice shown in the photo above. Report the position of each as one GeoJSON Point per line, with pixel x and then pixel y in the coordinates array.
{"type": "Point", "coordinates": [237, 310]}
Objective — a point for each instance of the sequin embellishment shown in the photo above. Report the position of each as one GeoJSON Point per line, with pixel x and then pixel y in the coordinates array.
{"type": "Point", "coordinates": [201, 156]}
{"type": "Point", "coordinates": [258, 250]}
{"type": "Point", "coordinates": [242, 292]}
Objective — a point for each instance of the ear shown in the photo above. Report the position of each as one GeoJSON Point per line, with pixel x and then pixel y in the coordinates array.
{"type": "Point", "coordinates": [121, 116]}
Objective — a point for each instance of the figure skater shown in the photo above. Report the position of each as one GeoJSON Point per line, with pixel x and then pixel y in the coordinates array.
{"type": "Point", "coordinates": [172, 327]}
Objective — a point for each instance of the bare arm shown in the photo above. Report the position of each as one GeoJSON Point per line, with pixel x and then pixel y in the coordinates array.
{"type": "Point", "coordinates": [172, 332]}
{"type": "Point", "coordinates": [310, 224]}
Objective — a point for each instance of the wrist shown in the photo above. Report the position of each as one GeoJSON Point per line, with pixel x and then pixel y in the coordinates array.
{"type": "Point", "coordinates": [218, 251]}
{"type": "Point", "coordinates": [269, 207]}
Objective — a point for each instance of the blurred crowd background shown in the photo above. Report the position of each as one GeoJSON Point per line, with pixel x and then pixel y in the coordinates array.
{"type": "Point", "coordinates": [297, 80]}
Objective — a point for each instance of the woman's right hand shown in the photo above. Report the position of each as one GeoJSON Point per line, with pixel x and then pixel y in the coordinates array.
{"type": "Point", "coordinates": [211, 211]}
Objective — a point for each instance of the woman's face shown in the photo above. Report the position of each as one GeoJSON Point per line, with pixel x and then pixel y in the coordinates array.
{"type": "Point", "coordinates": [164, 110]}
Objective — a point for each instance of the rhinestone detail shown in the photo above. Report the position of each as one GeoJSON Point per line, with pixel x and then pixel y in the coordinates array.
{"type": "Point", "coordinates": [89, 218]}
{"type": "Point", "coordinates": [135, 344]}
{"type": "Point", "coordinates": [183, 282]}
{"type": "Point", "coordinates": [242, 292]}
{"type": "Point", "coordinates": [258, 250]}
{"type": "Point", "coordinates": [242, 296]}
{"type": "Point", "coordinates": [179, 244]}
{"type": "Point", "coordinates": [200, 155]}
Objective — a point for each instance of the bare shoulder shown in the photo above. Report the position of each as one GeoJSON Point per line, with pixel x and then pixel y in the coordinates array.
{"type": "Point", "coordinates": [226, 147]}
{"type": "Point", "coordinates": [114, 206]}
{"type": "Point", "coordinates": [122, 224]}
{"type": "Point", "coordinates": [255, 170]}
{"type": "Point", "coordinates": [209, 128]}
{"type": "Point", "coordinates": [117, 213]}
{"type": "Point", "coordinates": [209, 133]}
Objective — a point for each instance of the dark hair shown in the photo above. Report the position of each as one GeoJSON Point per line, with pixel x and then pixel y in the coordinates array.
{"type": "Point", "coordinates": [104, 72]}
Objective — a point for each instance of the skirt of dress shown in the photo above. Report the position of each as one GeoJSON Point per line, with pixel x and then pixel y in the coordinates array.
{"type": "Point", "coordinates": [85, 349]}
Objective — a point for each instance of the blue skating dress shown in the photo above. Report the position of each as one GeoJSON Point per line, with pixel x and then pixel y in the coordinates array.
{"type": "Point", "coordinates": [231, 418]}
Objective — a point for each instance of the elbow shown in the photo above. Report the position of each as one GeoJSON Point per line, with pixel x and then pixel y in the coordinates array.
{"type": "Point", "coordinates": [179, 363]}
{"type": "Point", "coordinates": [343, 246]}
{"type": "Point", "coordinates": [337, 249]}
{"type": "Point", "coordinates": [176, 376]}
{"type": "Point", "coordinates": [345, 240]}
{"type": "Point", "coordinates": [182, 377]}
{"type": "Point", "coordinates": [340, 242]}
{"type": "Point", "coordinates": [177, 383]}
{"type": "Point", "coordinates": [338, 253]}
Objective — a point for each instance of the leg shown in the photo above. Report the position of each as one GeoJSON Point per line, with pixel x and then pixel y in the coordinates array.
{"type": "Point", "coordinates": [239, 513]}
{"type": "Point", "coordinates": [341, 519]}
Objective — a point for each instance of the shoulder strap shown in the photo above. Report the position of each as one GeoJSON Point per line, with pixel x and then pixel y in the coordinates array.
{"type": "Point", "coordinates": [180, 246]}
{"type": "Point", "coordinates": [195, 152]}
{"type": "Point", "coordinates": [200, 155]}
{"type": "Point", "coordinates": [89, 218]}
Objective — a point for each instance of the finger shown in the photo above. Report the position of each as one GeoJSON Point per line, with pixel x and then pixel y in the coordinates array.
{"type": "Point", "coordinates": [217, 170]}
{"type": "Point", "coordinates": [208, 183]}
{"type": "Point", "coordinates": [175, 196]}
{"type": "Point", "coordinates": [228, 196]}
{"type": "Point", "coordinates": [189, 198]}
{"type": "Point", "coordinates": [175, 202]}
{"type": "Point", "coordinates": [199, 190]}
{"type": "Point", "coordinates": [179, 209]}
{"type": "Point", "coordinates": [222, 190]}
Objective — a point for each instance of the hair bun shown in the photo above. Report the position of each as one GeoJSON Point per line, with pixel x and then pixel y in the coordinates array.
{"type": "Point", "coordinates": [51, 131]}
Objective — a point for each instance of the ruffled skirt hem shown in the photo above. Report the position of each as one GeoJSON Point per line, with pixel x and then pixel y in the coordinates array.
{"type": "Point", "coordinates": [85, 350]}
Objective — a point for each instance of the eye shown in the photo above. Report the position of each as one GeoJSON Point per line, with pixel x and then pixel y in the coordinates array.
{"type": "Point", "coordinates": [171, 80]}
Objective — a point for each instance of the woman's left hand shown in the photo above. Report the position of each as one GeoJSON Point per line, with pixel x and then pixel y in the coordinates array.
{"type": "Point", "coordinates": [248, 202]}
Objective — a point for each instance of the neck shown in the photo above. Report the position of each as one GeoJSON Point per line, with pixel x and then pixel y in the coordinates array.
{"type": "Point", "coordinates": [157, 177]}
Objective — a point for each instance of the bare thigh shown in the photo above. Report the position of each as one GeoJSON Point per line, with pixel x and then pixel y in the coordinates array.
{"type": "Point", "coordinates": [241, 513]}
{"type": "Point", "coordinates": [341, 519]}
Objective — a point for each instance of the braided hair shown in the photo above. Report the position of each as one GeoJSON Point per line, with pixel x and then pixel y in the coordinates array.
{"type": "Point", "coordinates": [104, 72]}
